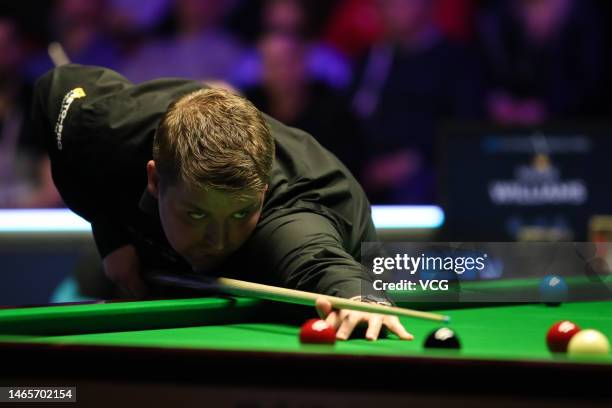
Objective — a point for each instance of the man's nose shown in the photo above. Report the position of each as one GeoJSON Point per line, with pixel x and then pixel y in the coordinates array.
{"type": "Point", "coordinates": [216, 236]}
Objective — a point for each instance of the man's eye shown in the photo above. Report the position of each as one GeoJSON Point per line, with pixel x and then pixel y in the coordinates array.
{"type": "Point", "coordinates": [240, 215]}
{"type": "Point", "coordinates": [194, 215]}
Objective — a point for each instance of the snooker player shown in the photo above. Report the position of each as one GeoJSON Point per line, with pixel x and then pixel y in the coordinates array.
{"type": "Point", "coordinates": [174, 175]}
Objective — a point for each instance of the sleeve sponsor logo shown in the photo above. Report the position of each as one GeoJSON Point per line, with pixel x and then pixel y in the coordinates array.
{"type": "Point", "coordinates": [66, 102]}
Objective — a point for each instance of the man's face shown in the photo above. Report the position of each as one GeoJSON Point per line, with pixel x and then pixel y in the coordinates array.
{"type": "Point", "coordinates": [206, 226]}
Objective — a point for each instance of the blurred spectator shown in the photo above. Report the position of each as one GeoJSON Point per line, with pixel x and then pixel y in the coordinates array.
{"type": "Point", "coordinates": [80, 26]}
{"type": "Point", "coordinates": [25, 176]}
{"type": "Point", "coordinates": [323, 63]}
{"type": "Point", "coordinates": [287, 93]}
{"type": "Point", "coordinates": [356, 25]}
{"type": "Point", "coordinates": [198, 49]}
{"type": "Point", "coordinates": [32, 16]}
{"type": "Point", "coordinates": [405, 86]}
{"type": "Point", "coordinates": [130, 15]}
{"type": "Point", "coordinates": [130, 24]}
{"type": "Point", "coordinates": [544, 59]}
{"type": "Point", "coordinates": [455, 18]}
{"type": "Point", "coordinates": [286, 16]}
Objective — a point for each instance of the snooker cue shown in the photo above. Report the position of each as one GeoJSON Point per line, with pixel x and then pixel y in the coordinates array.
{"type": "Point", "coordinates": [278, 294]}
{"type": "Point", "coordinates": [275, 293]}
{"type": "Point", "coordinates": [57, 54]}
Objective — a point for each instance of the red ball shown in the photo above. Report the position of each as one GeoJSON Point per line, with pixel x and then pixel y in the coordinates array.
{"type": "Point", "coordinates": [317, 331]}
{"type": "Point", "coordinates": [559, 336]}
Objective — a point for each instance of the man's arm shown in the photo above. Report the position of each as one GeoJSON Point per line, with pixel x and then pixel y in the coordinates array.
{"type": "Point", "coordinates": [108, 236]}
{"type": "Point", "coordinates": [120, 259]}
{"type": "Point", "coordinates": [304, 251]}
{"type": "Point", "coordinates": [122, 267]}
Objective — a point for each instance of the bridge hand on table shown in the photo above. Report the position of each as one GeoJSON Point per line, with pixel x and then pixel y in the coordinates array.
{"type": "Point", "coordinates": [344, 321]}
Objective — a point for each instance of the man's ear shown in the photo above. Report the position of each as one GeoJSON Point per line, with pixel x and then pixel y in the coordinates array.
{"type": "Point", "coordinates": [152, 179]}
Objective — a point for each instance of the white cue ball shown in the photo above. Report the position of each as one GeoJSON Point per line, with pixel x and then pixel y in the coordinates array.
{"type": "Point", "coordinates": [588, 342]}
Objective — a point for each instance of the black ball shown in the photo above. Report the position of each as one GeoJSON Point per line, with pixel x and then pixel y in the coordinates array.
{"type": "Point", "coordinates": [442, 338]}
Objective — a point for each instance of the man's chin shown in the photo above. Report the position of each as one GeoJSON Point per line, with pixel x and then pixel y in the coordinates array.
{"type": "Point", "coordinates": [207, 266]}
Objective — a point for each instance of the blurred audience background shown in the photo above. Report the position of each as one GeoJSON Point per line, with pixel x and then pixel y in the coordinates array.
{"type": "Point", "coordinates": [370, 79]}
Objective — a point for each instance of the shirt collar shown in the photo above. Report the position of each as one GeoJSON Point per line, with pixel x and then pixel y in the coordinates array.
{"type": "Point", "coordinates": [148, 204]}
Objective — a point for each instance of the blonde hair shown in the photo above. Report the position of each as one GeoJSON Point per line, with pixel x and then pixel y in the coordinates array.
{"type": "Point", "coordinates": [212, 138]}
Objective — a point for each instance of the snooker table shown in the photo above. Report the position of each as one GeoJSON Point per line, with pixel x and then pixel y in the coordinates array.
{"type": "Point", "coordinates": [233, 351]}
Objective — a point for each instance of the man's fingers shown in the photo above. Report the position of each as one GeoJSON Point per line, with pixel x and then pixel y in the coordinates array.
{"type": "Point", "coordinates": [333, 320]}
{"type": "Point", "coordinates": [344, 321]}
{"type": "Point", "coordinates": [323, 306]}
{"type": "Point", "coordinates": [396, 327]}
{"type": "Point", "coordinates": [136, 287]}
{"type": "Point", "coordinates": [374, 325]}
{"type": "Point", "coordinates": [348, 325]}
{"type": "Point", "coordinates": [344, 313]}
{"type": "Point", "coordinates": [326, 311]}
{"type": "Point", "coordinates": [336, 317]}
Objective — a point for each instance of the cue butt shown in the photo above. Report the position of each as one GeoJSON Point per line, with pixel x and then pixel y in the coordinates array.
{"type": "Point", "coordinates": [57, 54]}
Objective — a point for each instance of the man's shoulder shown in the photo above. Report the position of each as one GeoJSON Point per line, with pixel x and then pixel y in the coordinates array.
{"type": "Point", "coordinates": [301, 159]}
{"type": "Point", "coordinates": [67, 76]}
{"type": "Point", "coordinates": [89, 107]}
{"type": "Point", "coordinates": [300, 148]}
{"type": "Point", "coordinates": [306, 177]}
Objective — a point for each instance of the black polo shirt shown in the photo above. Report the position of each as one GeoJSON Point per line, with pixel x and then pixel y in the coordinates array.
{"type": "Point", "coordinates": [98, 129]}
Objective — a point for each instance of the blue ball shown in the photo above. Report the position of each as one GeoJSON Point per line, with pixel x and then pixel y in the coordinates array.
{"type": "Point", "coordinates": [553, 290]}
